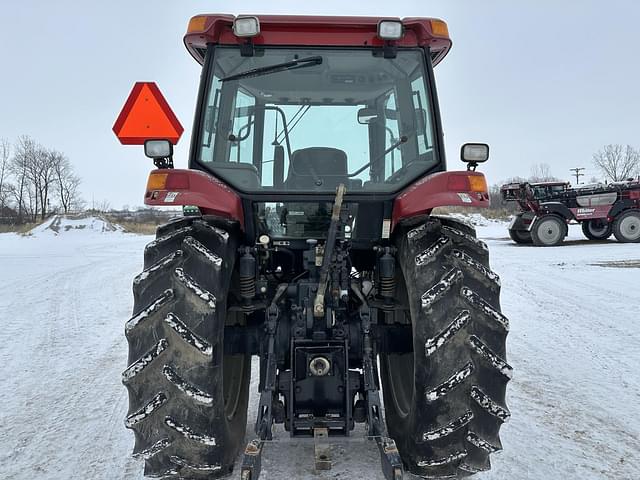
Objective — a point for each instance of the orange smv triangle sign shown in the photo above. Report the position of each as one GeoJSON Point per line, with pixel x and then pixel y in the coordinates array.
{"type": "Point", "coordinates": [146, 115]}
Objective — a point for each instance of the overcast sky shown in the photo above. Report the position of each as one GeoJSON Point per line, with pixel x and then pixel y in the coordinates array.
{"type": "Point", "coordinates": [540, 81]}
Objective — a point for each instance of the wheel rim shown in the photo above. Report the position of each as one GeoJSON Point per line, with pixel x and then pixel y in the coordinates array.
{"type": "Point", "coordinates": [630, 227]}
{"type": "Point", "coordinates": [549, 231]}
{"type": "Point", "coordinates": [598, 228]}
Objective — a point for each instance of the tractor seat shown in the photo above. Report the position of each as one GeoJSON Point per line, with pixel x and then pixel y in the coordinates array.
{"type": "Point", "coordinates": [317, 168]}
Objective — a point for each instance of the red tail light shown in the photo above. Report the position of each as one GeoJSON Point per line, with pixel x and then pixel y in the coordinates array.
{"type": "Point", "coordinates": [471, 182]}
{"type": "Point", "coordinates": [458, 183]}
{"type": "Point", "coordinates": [177, 181]}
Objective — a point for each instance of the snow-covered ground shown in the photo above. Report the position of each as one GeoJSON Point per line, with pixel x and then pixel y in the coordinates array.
{"type": "Point", "coordinates": [574, 344]}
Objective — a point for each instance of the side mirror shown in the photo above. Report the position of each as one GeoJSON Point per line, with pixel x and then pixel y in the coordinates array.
{"type": "Point", "coordinates": [161, 151]}
{"type": "Point", "coordinates": [474, 153]}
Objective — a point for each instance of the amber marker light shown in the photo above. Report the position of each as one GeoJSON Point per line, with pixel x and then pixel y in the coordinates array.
{"type": "Point", "coordinates": [157, 181]}
{"type": "Point", "coordinates": [197, 24]}
{"type": "Point", "coordinates": [467, 183]}
{"type": "Point", "coordinates": [439, 28]}
{"type": "Point", "coordinates": [477, 183]}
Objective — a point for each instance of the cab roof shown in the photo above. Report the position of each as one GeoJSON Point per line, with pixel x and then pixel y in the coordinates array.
{"type": "Point", "coordinates": [306, 30]}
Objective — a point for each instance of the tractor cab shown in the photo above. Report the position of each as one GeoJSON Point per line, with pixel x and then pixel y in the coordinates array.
{"type": "Point", "coordinates": [291, 107]}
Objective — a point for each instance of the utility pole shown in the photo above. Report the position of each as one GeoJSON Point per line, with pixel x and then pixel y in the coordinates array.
{"type": "Point", "coordinates": [577, 173]}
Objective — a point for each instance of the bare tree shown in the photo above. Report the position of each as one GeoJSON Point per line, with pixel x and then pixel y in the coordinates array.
{"type": "Point", "coordinates": [37, 165]}
{"type": "Point", "coordinates": [617, 162]}
{"type": "Point", "coordinates": [12, 193]}
{"type": "Point", "coordinates": [541, 172]}
{"type": "Point", "coordinates": [44, 171]}
{"type": "Point", "coordinates": [5, 150]}
{"type": "Point", "coordinates": [66, 183]}
{"type": "Point", "coordinates": [29, 158]}
{"type": "Point", "coordinates": [40, 176]}
{"type": "Point", "coordinates": [31, 204]}
{"type": "Point", "coordinates": [103, 206]}
{"type": "Point", "coordinates": [5, 198]}
{"type": "Point", "coordinates": [23, 157]}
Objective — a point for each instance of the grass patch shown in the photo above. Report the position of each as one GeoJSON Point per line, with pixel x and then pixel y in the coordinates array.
{"type": "Point", "coordinates": [139, 228]}
{"type": "Point", "coordinates": [21, 229]}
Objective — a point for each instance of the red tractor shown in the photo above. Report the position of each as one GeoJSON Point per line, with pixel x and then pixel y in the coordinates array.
{"type": "Point", "coordinates": [316, 159]}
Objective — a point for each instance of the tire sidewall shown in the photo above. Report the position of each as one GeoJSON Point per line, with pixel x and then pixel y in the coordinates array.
{"type": "Point", "coordinates": [587, 229]}
{"type": "Point", "coordinates": [521, 237]}
{"type": "Point", "coordinates": [431, 369]}
{"type": "Point", "coordinates": [538, 239]}
{"type": "Point", "coordinates": [176, 240]}
{"type": "Point", "coordinates": [618, 224]}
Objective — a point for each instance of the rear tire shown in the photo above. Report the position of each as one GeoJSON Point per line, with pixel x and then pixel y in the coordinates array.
{"type": "Point", "coordinates": [626, 227]}
{"type": "Point", "coordinates": [598, 229]}
{"type": "Point", "coordinates": [445, 401]}
{"type": "Point", "coordinates": [548, 231]}
{"type": "Point", "coordinates": [187, 400]}
{"type": "Point", "coordinates": [520, 236]}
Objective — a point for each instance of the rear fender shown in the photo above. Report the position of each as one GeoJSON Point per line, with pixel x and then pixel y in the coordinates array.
{"type": "Point", "coordinates": [621, 206]}
{"type": "Point", "coordinates": [443, 189]}
{"type": "Point", "coordinates": [556, 208]}
{"type": "Point", "coordinates": [522, 221]}
{"type": "Point", "coordinates": [170, 187]}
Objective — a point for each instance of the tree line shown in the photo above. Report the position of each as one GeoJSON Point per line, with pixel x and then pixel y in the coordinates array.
{"type": "Point", "coordinates": [35, 181]}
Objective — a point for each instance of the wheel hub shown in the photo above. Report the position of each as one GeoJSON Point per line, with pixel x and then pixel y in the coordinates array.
{"type": "Point", "coordinates": [549, 232]}
{"type": "Point", "coordinates": [630, 227]}
{"type": "Point", "coordinates": [597, 229]}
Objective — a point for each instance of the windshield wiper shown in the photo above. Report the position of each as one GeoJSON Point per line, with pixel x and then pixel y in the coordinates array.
{"type": "Point", "coordinates": [279, 67]}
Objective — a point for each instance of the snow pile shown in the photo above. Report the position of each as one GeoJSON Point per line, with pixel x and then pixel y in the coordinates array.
{"type": "Point", "coordinates": [60, 224]}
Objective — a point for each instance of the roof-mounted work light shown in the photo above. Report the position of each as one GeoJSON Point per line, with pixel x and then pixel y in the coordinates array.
{"type": "Point", "coordinates": [390, 29]}
{"type": "Point", "coordinates": [246, 26]}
